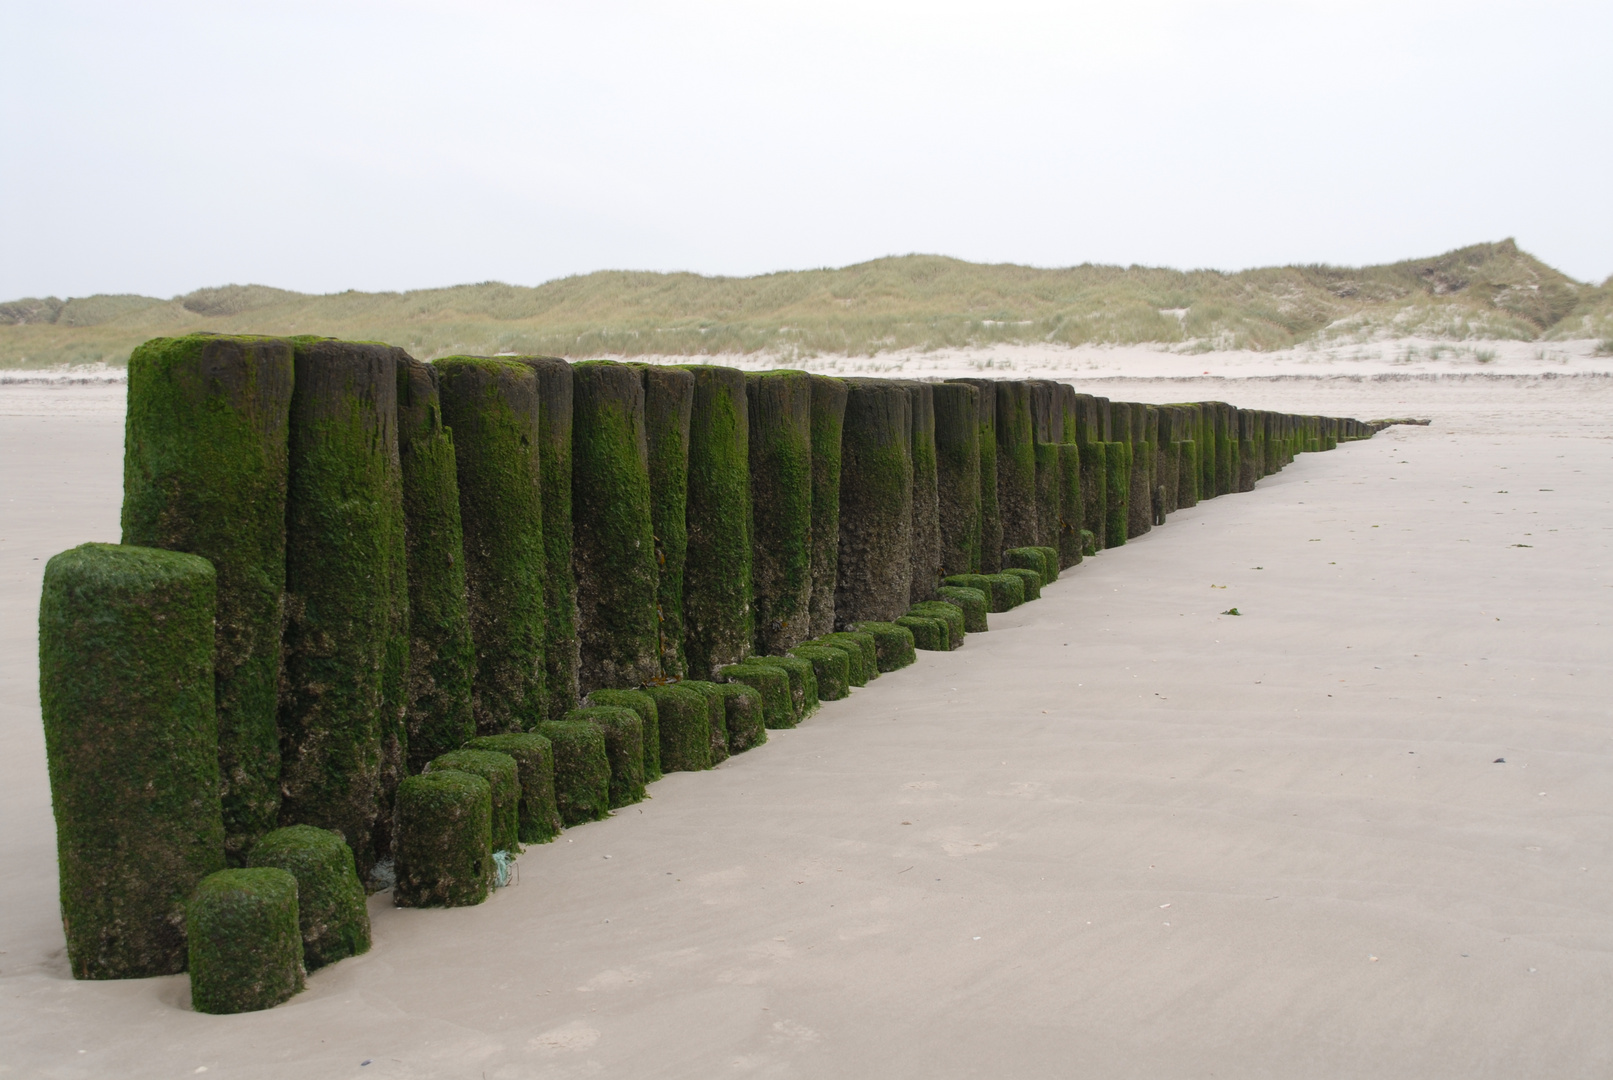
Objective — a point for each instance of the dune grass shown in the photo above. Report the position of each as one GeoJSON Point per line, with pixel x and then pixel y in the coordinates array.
{"type": "Point", "coordinates": [1487, 291]}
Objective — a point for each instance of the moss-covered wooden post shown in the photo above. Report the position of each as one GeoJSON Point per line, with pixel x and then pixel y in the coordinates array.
{"type": "Point", "coordinates": [957, 464]}
{"type": "Point", "coordinates": [925, 557]}
{"type": "Point", "coordinates": [779, 406]}
{"type": "Point", "coordinates": [1247, 466]}
{"type": "Point", "coordinates": [1117, 492]}
{"type": "Point", "coordinates": [876, 503]}
{"type": "Point", "coordinates": [581, 770]}
{"type": "Point", "coordinates": [716, 716]}
{"type": "Point", "coordinates": [1166, 462]}
{"type": "Point", "coordinates": [1140, 502]}
{"type": "Point", "coordinates": [683, 721]}
{"type": "Point", "coordinates": [718, 620]}
{"type": "Point", "coordinates": [972, 602]}
{"type": "Point", "coordinates": [644, 705]}
{"type": "Point", "coordinates": [991, 530]}
{"type": "Point", "coordinates": [1225, 449]}
{"type": "Point", "coordinates": [1187, 429]}
{"type": "Point", "coordinates": [344, 681]}
{"type": "Point", "coordinates": [1047, 429]}
{"type": "Point", "coordinates": [561, 649]}
{"type": "Point", "coordinates": [1072, 507]}
{"type": "Point", "coordinates": [613, 541]}
{"type": "Point", "coordinates": [131, 739]}
{"type": "Point", "coordinates": [330, 898]}
{"type": "Point", "coordinates": [245, 943]}
{"type": "Point", "coordinates": [744, 716]}
{"type": "Point", "coordinates": [491, 406]}
{"type": "Point", "coordinates": [1095, 491]}
{"type": "Point", "coordinates": [442, 657]}
{"type": "Point", "coordinates": [828, 419]}
{"type": "Point", "coordinates": [668, 399]}
{"type": "Point", "coordinates": [204, 471]}
{"type": "Point", "coordinates": [1188, 487]}
{"type": "Point", "coordinates": [1016, 464]}
{"type": "Point", "coordinates": [624, 733]}
{"type": "Point", "coordinates": [503, 777]}
{"type": "Point", "coordinates": [991, 525]}
{"type": "Point", "coordinates": [534, 762]}
{"type": "Point", "coordinates": [444, 852]}
{"type": "Point", "coordinates": [1208, 450]}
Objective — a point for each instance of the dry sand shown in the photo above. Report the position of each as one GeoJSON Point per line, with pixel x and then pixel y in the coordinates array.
{"type": "Point", "coordinates": [1119, 835]}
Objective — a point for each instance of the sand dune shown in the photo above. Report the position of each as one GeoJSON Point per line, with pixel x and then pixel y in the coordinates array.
{"type": "Point", "coordinates": [1121, 834]}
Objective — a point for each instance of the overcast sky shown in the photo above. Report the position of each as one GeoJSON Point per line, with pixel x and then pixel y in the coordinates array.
{"type": "Point", "coordinates": [156, 147]}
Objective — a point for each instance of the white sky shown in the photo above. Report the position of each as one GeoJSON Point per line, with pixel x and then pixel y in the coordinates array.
{"type": "Point", "coordinates": [156, 147]}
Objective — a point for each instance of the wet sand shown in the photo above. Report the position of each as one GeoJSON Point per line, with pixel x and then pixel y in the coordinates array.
{"type": "Point", "coordinates": [1122, 834]}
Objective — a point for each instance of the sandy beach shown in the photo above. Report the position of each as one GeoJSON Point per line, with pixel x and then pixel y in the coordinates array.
{"type": "Point", "coordinates": [1361, 829]}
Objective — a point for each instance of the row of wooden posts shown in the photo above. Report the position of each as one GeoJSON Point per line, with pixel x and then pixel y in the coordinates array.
{"type": "Point", "coordinates": [412, 554]}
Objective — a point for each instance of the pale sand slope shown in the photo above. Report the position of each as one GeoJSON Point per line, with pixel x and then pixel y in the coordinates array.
{"type": "Point", "coordinates": [964, 869]}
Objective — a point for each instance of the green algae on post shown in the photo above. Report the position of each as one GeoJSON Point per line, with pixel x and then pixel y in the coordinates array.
{"type": "Point", "coordinates": [684, 721]}
{"type": "Point", "coordinates": [1072, 508]}
{"type": "Point", "coordinates": [344, 680]}
{"type": "Point", "coordinates": [561, 650]}
{"type": "Point", "coordinates": [949, 613]}
{"type": "Point", "coordinates": [718, 620]}
{"type": "Point", "coordinates": [539, 817]}
{"type": "Point", "coordinates": [747, 727]}
{"type": "Point", "coordinates": [644, 705]}
{"type": "Point", "coordinates": [893, 644]}
{"type": "Point", "coordinates": [1032, 580]}
{"type": "Point", "coordinates": [244, 942]}
{"type": "Point", "coordinates": [1117, 489]}
{"type": "Point", "coordinates": [1140, 499]}
{"type": "Point", "coordinates": [780, 412]}
{"type": "Point", "coordinates": [1047, 426]}
{"type": "Point", "coordinates": [443, 854]}
{"type": "Point", "coordinates": [491, 406]}
{"type": "Point", "coordinates": [131, 739]}
{"type": "Point", "coordinates": [1016, 464]}
{"type": "Point", "coordinates": [1003, 592]}
{"type": "Point", "coordinates": [1007, 591]}
{"type": "Point", "coordinates": [581, 770]}
{"type": "Point", "coordinates": [925, 556]}
{"type": "Point", "coordinates": [1026, 558]}
{"type": "Point", "coordinates": [504, 778]}
{"type": "Point", "coordinates": [773, 684]}
{"type": "Point", "coordinates": [991, 526]}
{"type": "Point", "coordinates": [716, 716]}
{"type": "Point", "coordinates": [831, 667]}
{"type": "Point", "coordinates": [957, 464]}
{"type": "Point", "coordinates": [828, 420]}
{"type": "Point", "coordinates": [613, 542]}
{"type": "Point", "coordinates": [973, 602]}
{"type": "Point", "coordinates": [442, 656]}
{"type": "Point", "coordinates": [346, 601]}
{"type": "Point", "coordinates": [929, 634]}
{"type": "Point", "coordinates": [204, 472]}
{"type": "Point", "coordinates": [624, 749]}
{"type": "Point", "coordinates": [859, 655]}
{"type": "Point", "coordinates": [1095, 492]}
{"type": "Point", "coordinates": [803, 682]}
{"type": "Point", "coordinates": [1187, 491]}
{"type": "Point", "coordinates": [668, 399]}
{"type": "Point", "coordinates": [876, 502]}
{"type": "Point", "coordinates": [331, 910]}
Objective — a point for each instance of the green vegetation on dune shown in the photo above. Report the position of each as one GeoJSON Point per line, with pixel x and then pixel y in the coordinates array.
{"type": "Point", "coordinates": [913, 301]}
